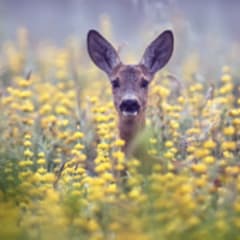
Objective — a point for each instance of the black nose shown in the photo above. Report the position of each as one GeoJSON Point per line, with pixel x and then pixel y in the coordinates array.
{"type": "Point", "coordinates": [129, 105]}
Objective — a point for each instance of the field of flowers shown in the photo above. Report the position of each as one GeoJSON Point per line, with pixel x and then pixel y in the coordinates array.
{"type": "Point", "coordinates": [61, 158]}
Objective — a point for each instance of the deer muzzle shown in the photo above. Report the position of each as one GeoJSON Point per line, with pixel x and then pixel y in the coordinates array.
{"type": "Point", "coordinates": [129, 107]}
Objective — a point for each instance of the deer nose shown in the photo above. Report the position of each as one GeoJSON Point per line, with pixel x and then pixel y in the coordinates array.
{"type": "Point", "coordinates": [130, 106]}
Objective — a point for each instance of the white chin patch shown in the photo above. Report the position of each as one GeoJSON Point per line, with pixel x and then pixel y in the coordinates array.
{"type": "Point", "coordinates": [129, 114]}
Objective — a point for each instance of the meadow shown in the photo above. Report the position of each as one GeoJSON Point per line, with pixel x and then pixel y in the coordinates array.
{"type": "Point", "coordinates": [61, 158]}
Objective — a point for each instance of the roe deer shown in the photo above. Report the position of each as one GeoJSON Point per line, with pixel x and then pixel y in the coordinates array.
{"type": "Point", "coordinates": [130, 82]}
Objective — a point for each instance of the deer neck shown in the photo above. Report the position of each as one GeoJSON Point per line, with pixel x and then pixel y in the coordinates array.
{"type": "Point", "coordinates": [129, 128]}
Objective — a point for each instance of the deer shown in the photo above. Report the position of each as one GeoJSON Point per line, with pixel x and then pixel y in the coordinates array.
{"type": "Point", "coordinates": [130, 83]}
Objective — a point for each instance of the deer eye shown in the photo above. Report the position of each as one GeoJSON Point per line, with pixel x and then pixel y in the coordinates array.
{"type": "Point", "coordinates": [144, 83]}
{"type": "Point", "coordinates": [115, 83]}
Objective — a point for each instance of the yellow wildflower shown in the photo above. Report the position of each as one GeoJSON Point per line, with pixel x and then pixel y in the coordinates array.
{"type": "Point", "coordinates": [229, 131]}
{"type": "Point", "coordinates": [210, 144]}
{"type": "Point", "coordinates": [229, 145]}
{"type": "Point", "coordinates": [199, 168]}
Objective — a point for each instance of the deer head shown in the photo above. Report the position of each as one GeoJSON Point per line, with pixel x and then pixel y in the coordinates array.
{"type": "Point", "coordinates": [130, 82]}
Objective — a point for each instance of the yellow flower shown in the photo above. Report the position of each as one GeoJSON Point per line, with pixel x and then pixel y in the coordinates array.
{"type": "Point", "coordinates": [78, 135]}
{"type": "Point", "coordinates": [27, 143]}
{"type": "Point", "coordinates": [227, 88]}
{"type": "Point", "coordinates": [119, 143]}
{"type": "Point", "coordinates": [181, 99]}
{"type": "Point", "coordinates": [232, 170]}
{"type": "Point", "coordinates": [82, 157]}
{"type": "Point", "coordinates": [202, 181]}
{"type": "Point", "coordinates": [229, 145]}
{"type": "Point", "coordinates": [229, 131]}
{"type": "Point", "coordinates": [25, 94]}
{"type": "Point", "coordinates": [23, 82]}
{"type": "Point", "coordinates": [76, 193]}
{"type": "Point", "coordinates": [103, 146]}
{"type": "Point", "coordinates": [162, 91]}
{"type": "Point", "coordinates": [169, 144]}
{"type": "Point", "coordinates": [52, 196]}
{"type": "Point", "coordinates": [209, 159]}
{"type": "Point", "coordinates": [112, 188]}
{"type": "Point", "coordinates": [76, 185]}
{"type": "Point", "coordinates": [41, 170]}
{"type": "Point", "coordinates": [210, 144]}
{"type": "Point", "coordinates": [27, 107]}
{"type": "Point", "coordinates": [173, 150]}
{"type": "Point", "coordinates": [41, 161]}
{"type": "Point", "coordinates": [79, 146]}
{"type": "Point", "coordinates": [119, 155]}
{"type": "Point", "coordinates": [25, 174]}
{"type": "Point", "coordinates": [236, 122]}
{"type": "Point", "coordinates": [169, 155]}
{"type": "Point", "coordinates": [28, 153]}
{"type": "Point", "coordinates": [57, 160]}
{"type": "Point", "coordinates": [199, 153]}
{"type": "Point", "coordinates": [174, 124]}
{"type": "Point", "coordinates": [153, 140]}
{"type": "Point", "coordinates": [119, 167]}
{"type": "Point", "coordinates": [100, 168]}
{"type": "Point", "coordinates": [226, 78]}
{"type": "Point", "coordinates": [199, 168]}
{"type": "Point", "coordinates": [93, 100]}
{"type": "Point", "coordinates": [6, 100]}
{"type": "Point", "coordinates": [49, 177]}
{"type": "Point", "coordinates": [234, 112]}
{"type": "Point", "coordinates": [41, 154]}
{"type": "Point", "coordinates": [191, 131]}
{"type": "Point", "coordinates": [80, 170]}
{"type": "Point", "coordinates": [228, 155]}
{"type": "Point", "coordinates": [61, 110]}
{"type": "Point", "coordinates": [25, 163]}
{"type": "Point", "coordinates": [135, 193]}
{"type": "Point", "coordinates": [191, 149]}
{"type": "Point", "coordinates": [157, 168]}
{"type": "Point", "coordinates": [46, 108]}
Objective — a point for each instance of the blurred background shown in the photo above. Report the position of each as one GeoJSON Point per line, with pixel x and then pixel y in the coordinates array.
{"type": "Point", "coordinates": [209, 28]}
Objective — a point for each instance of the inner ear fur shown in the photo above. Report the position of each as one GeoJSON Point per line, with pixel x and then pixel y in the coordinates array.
{"type": "Point", "coordinates": [102, 52]}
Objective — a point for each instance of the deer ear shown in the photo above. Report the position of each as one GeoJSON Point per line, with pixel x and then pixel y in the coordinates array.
{"type": "Point", "coordinates": [102, 52]}
{"type": "Point", "coordinates": [158, 52]}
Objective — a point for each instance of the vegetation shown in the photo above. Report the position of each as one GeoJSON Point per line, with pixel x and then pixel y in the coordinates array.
{"type": "Point", "coordinates": [61, 161]}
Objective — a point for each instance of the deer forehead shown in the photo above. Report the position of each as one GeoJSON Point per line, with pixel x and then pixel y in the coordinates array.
{"type": "Point", "coordinates": [130, 73]}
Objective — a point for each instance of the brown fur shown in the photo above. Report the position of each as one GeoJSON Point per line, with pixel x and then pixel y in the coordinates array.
{"type": "Point", "coordinates": [130, 76]}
